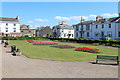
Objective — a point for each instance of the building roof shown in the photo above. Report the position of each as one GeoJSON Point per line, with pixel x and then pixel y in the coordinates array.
{"type": "Point", "coordinates": [44, 30]}
{"type": "Point", "coordinates": [63, 26]}
{"type": "Point", "coordinates": [104, 20]}
{"type": "Point", "coordinates": [24, 26]}
{"type": "Point", "coordinates": [6, 19]}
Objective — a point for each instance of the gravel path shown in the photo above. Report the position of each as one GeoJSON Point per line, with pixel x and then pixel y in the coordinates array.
{"type": "Point", "coordinates": [22, 67]}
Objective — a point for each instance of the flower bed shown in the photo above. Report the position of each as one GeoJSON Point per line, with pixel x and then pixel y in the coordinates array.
{"type": "Point", "coordinates": [63, 46]}
{"type": "Point", "coordinates": [44, 43]}
{"type": "Point", "coordinates": [86, 49]}
{"type": "Point", "coordinates": [30, 40]}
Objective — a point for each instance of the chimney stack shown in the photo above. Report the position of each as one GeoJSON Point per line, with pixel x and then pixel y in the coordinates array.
{"type": "Point", "coordinates": [17, 17]}
{"type": "Point", "coordinates": [98, 18]}
{"type": "Point", "coordinates": [62, 22]}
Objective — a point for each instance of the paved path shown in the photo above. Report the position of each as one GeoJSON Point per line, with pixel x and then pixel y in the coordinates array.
{"type": "Point", "coordinates": [22, 67]}
{"type": "Point", "coordinates": [0, 60]}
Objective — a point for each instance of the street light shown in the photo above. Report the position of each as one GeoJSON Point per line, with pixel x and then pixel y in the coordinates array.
{"type": "Point", "coordinates": [81, 28]}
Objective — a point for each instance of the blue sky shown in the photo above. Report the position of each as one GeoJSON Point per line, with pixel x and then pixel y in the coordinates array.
{"type": "Point", "coordinates": [50, 13]}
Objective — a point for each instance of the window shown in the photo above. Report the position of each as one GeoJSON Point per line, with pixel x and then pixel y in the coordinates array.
{"type": "Point", "coordinates": [96, 26]}
{"type": "Point", "coordinates": [87, 34]}
{"type": "Point", "coordinates": [102, 26]}
{"type": "Point", "coordinates": [97, 34]}
{"type": "Point", "coordinates": [109, 25]}
{"type": "Point", "coordinates": [14, 24]}
{"type": "Point", "coordinates": [22, 31]}
{"type": "Point", "coordinates": [69, 31]}
{"type": "Point", "coordinates": [6, 24]}
{"type": "Point", "coordinates": [81, 27]}
{"type": "Point", "coordinates": [102, 34]}
{"type": "Point", "coordinates": [76, 35]}
{"type": "Point", "coordinates": [64, 35]}
{"type": "Point", "coordinates": [0, 29]}
{"type": "Point", "coordinates": [76, 28]}
{"type": "Point", "coordinates": [109, 33]}
{"type": "Point", "coordinates": [6, 29]}
{"type": "Point", "coordinates": [118, 34]}
{"type": "Point", "coordinates": [72, 35]}
{"type": "Point", "coordinates": [14, 29]}
{"type": "Point", "coordinates": [87, 27]}
{"type": "Point", "coordinates": [29, 31]}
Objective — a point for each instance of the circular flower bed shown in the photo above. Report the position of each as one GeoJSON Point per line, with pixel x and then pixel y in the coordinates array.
{"type": "Point", "coordinates": [62, 46]}
{"type": "Point", "coordinates": [86, 49]}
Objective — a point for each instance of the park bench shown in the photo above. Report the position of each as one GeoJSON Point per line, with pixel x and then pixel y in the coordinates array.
{"type": "Point", "coordinates": [107, 58]}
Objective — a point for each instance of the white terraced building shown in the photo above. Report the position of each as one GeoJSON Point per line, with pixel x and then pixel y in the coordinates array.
{"type": "Point", "coordinates": [62, 30]}
{"type": "Point", "coordinates": [9, 26]}
{"type": "Point", "coordinates": [101, 28]}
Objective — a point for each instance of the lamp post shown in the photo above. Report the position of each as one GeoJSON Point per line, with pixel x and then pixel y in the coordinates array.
{"type": "Point", "coordinates": [81, 32]}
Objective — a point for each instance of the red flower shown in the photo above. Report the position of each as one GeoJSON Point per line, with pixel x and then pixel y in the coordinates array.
{"type": "Point", "coordinates": [86, 48]}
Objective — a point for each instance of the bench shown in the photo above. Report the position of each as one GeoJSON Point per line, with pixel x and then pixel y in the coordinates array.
{"type": "Point", "coordinates": [107, 58]}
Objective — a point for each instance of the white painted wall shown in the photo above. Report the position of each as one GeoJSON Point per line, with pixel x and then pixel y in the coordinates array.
{"type": "Point", "coordinates": [64, 33]}
{"type": "Point", "coordinates": [10, 27]}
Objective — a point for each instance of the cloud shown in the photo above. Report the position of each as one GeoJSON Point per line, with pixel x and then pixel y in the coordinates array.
{"type": "Point", "coordinates": [109, 15]}
{"type": "Point", "coordinates": [71, 18]}
{"type": "Point", "coordinates": [41, 20]}
{"type": "Point", "coordinates": [30, 21]}
{"type": "Point", "coordinates": [62, 18]}
{"type": "Point", "coordinates": [92, 16]}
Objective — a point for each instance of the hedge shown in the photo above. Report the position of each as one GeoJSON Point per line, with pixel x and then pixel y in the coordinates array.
{"type": "Point", "coordinates": [90, 41]}
{"type": "Point", "coordinates": [78, 40]}
{"type": "Point", "coordinates": [24, 38]}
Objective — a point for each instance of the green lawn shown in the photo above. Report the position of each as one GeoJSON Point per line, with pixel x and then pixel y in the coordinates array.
{"type": "Point", "coordinates": [51, 53]}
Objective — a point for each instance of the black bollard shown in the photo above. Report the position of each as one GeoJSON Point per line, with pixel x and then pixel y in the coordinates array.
{"type": "Point", "coordinates": [6, 43]}
{"type": "Point", "coordinates": [2, 41]}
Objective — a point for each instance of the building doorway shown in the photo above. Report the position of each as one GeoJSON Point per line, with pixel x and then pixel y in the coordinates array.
{"type": "Point", "coordinates": [6, 35]}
